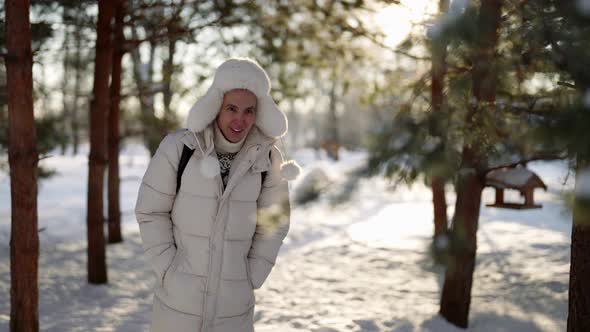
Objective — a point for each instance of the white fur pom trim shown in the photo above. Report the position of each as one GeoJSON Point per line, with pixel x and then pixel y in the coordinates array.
{"type": "Point", "coordinates": [209, 167]}
{"type": "Point", "coordinates": [290, 170]}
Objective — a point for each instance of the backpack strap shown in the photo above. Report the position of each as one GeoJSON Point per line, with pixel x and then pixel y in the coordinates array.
{"type": "Point", "coordinates": [184, 158]}
{"type": "Point", "coordinates": [263, 175]}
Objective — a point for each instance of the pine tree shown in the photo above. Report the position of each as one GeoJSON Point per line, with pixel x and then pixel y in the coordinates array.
{"type": "Point", "coordinates": [565, 27]}
{"type": "Point", "coordinates": [456, 293]}
{"type": "Point", "coordinates": [494, 47]}
{"type": "Point", "coordinates": [48, 126]}
{"type": "Point", "coordinates": [23, 158]}
{"type": "Point", "coordinates": [114, 215]}
{"type": "Point", "coordinates": [437, 183]}
{"type": "Point", "coordinates": [97, 270]}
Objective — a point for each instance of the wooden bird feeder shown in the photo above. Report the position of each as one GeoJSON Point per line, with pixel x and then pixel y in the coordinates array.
{"type": "Point", "coordinates": [518, 178]}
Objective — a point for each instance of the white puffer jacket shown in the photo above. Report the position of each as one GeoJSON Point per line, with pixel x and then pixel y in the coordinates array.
{"type": "Point", "coordinates": [210, 247]}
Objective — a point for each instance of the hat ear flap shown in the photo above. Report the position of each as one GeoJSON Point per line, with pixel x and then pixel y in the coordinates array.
{"type": "Point", "coordinates": [205, 110]}
{"type": "Point", "coordinates": [269, 119]}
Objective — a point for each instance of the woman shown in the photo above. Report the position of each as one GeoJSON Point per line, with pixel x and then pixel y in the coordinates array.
{"type": "Point", "coordinates": [207, 236]}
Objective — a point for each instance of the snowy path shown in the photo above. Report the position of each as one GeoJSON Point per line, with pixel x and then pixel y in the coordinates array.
{"type": "Point", "coordinates": [371, 284]}
{"type": "Point", "coordinates": [362, 266]}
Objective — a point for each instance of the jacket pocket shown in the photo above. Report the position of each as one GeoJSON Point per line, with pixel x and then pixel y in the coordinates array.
{"type": "Point", "coordinates": [235, 298]}
{"type": "Point", "coordinates": [172, 266]}
{"type": "Point", "coordinates": [184, 292]}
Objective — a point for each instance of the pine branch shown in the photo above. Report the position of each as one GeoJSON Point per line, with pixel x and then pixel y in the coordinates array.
{"type": "Point", "coordinates": [397, 51]}
{"type": "Point", "coordinates": [548, 110]}
{"type": "Point", "coordinates": [131, 44]}
{"type": "Point", "coordinates": [567, 85]}
{"type": "Point", "coordinates": [154, 88]}
{"type": "Point", "coordinates": [161, 5]}
{"type": "Point", "coordinates": [545, 157]}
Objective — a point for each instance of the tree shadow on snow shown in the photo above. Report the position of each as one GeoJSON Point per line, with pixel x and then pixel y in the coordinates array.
{"type": "Point", "coordinates": [67, 302]}
{"type": "Point", "coordinates": [487, 321]}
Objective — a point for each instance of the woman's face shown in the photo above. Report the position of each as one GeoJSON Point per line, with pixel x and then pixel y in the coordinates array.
{"type": "Point", "coordinates": [237, 114]}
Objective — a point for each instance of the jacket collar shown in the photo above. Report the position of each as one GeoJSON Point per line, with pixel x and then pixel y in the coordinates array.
{"type": "Point", "coordinates": [256, 147]}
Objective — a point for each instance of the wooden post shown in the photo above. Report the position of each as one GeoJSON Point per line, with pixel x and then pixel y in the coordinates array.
{"type": "Point", "coordinates": [499, 196]}
{"type": "Point", "coordinates": [528, 197]}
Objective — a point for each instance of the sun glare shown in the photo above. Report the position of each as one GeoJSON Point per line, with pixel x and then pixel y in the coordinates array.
{"type": "Point", "coordinates": [396, 20]}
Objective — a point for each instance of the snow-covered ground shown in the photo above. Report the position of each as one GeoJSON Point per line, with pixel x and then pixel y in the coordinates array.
{"type": "Point", "coordinates": [359, 266]}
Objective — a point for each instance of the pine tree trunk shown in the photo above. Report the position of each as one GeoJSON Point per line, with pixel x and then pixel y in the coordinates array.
{"type": "Point", "coordinates": [439, 203]}
{"type": "Point", "coordinates": [113, 140]}
{"type": "Point", "coordinates": [167, 71]}
{"type": "Point", "coordinates": [578, 319]}
{"type": "Point", "coordinates": [439, 53]}
{"type": "Point", "coordinates": [456, 294]}
{"type": "Point", "coordinates": [22, 158]}
{"type": "Point", "coordinates": [97, 270]}
{"type": "Point", "coordinates": [74, 120]}
{"type": "Point", "coordinates": [64, 87]}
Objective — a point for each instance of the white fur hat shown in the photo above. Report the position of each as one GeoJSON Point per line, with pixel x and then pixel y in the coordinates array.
{"type": "Point", "coordinates": [239, 73]}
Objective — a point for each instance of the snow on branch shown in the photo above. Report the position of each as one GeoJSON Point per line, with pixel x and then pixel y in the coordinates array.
{"type": "Point", "coordinates": [546, 157]}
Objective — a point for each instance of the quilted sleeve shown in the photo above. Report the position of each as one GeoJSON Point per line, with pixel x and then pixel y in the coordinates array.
{"type": "Point", "coordinates": [154, 203]}
{"type": "Point", "coordinates": [272, 223]}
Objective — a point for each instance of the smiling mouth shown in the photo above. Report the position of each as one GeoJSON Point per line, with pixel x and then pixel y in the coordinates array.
{"type": "Point", "coordinates": [236, 131]}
